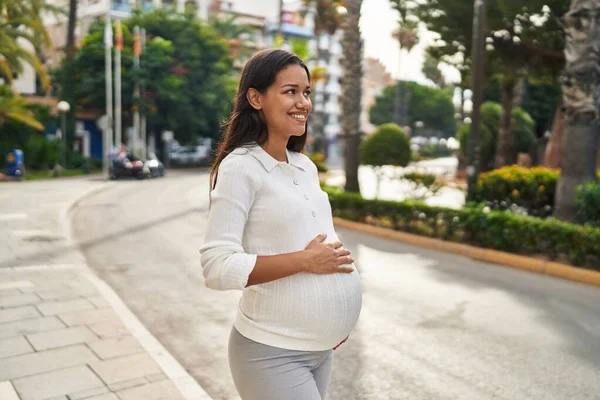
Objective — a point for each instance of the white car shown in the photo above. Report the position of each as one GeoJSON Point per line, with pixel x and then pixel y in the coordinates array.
{"type": "Point", "coordinates": [191, 156]}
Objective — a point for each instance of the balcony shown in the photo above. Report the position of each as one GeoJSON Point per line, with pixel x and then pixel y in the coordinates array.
{"type": "Point", "coordinates": [120, 6]}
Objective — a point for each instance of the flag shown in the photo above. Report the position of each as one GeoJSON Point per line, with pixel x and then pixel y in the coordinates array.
{"type": "Point", "coordinates": [119, 37]}
{"type": "Point", "coordinates": [108, 34]}
{"type": "Point", "coordinates": [137, 48]}
{"type": "Point", "coordinates": [143, 41]}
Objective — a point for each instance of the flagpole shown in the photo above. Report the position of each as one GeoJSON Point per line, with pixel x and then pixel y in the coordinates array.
{"type": "Point", "coordinates": [108, 132]}
{"type": "Point", "coordinates": [136, 91]}
{"type": "Point", "coordinates": [118, 106]}
{"type": "Point", "coordinates": [143, 122]}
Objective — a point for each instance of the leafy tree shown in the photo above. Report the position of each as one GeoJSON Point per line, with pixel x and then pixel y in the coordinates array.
{"type": "Point", "coordinates": [491, 115]}
{"type": "Point", "coordinates": [388, 145]}
{"type": "Point", "coordinates": [432, 106]}
{"type": "Point", "coordinates": [523, 39]}
{"type": "Point", "coordinates": [432, 71]}
{"type": "Point", "coordinates": [186, 70]}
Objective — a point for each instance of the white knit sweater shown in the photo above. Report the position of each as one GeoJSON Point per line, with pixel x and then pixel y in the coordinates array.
{"type": "Point", "coordinates": [261, 206]}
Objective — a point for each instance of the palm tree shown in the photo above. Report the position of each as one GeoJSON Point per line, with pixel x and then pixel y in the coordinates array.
{"type": "Point", "coordinates": [407, 36]}
{"type": "Point", "coordinates": [580, 80]}
{"type": "Point", "coordinates": [351, 62]}
{"type": "Point", "coordinates": [21, 21]}
{"type": "Point", "coordinates": [15, 108]}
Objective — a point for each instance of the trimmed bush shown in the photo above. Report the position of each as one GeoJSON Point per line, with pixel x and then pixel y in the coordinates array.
{"type": "Point", "coordinates": [476, 225]}
{"type": "Point", "coordinates": [588, 200]}
{"type": "Point", "coordinates": [388, 145]}
{"type": "Point", "coordinates": [532, 189]}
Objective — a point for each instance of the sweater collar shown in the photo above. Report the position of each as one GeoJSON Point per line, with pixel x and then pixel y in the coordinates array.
{"type": "Point", "coordinates": [270, 163]}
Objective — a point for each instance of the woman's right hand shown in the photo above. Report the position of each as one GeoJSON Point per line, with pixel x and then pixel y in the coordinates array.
{"type": "Point", "coordinates": [327, 258]}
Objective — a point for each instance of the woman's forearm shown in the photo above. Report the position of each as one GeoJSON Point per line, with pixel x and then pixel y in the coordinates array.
{"type": "Point", "coordinates": [271, 268]}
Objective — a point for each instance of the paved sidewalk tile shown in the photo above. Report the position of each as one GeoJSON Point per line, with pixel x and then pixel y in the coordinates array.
{"type": "Point", "coordinates": [18, 300]}
{"type": "Point", "coordinates": [18, 313]}
{"type": "Point", "coordinates": [125, 368]}
{"type": "Point", "coordinates": [64, 293]}
{"type": "Point", "coordinates": [14, 346]}
{"type": "Point", "coordinates": [116, 347]}
{"type": "Point", "coordinates": [86, 394]}
{"type": "Point", "coordinates": [99, 301]}
{"type": "Point", "coordinates": [7, 391]}
{"type": "Point", "coordinates": [61, 338]}
{"type": "Point", "coordinates": [15, 284]}
{"type": "Point", "coordinates": [61, 307]}
{"type": "Point", "coordinates": [88, 317]}
{"type": "Point", "coordinates": [26, 326]}
{"type": "Point", "coordinates": [107, 396]}
{"type": "Point", "coordinates": [35, 363]}
{"type": "Point", "coordinates": [164, 390]}
{"type": "Point", "coordinates": [57, 383]}
{"type": "Point", "coordinates": [109, 329]}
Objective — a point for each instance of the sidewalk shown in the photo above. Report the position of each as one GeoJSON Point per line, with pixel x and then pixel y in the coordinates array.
{"type": "Point", "coordinates": [64, 333]}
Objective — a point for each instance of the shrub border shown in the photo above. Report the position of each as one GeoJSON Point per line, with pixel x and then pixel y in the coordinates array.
{"type": "Point", "coordinates": [549, 268]}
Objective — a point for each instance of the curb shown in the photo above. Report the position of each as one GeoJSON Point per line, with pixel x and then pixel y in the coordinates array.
{"type": "Point", "coordinates": [183, 381]}
{"type": "Point", "coordinates": [549, 268]}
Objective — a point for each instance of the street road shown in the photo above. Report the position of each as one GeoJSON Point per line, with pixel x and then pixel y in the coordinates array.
{"type": "Point", "coordinates": [433, 325]}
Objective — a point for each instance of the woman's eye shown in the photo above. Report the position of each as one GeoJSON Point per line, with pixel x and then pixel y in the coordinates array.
{"type": "Point", "coordinates": [291, 91]}
{"type": "Point", "coordinates": [307, 93]}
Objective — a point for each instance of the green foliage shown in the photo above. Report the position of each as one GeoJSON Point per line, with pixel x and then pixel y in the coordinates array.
{"type": "Point", "coordinates": [532, 189]}
{"type": "Point", "coordinates": [588, 201]}
{"type": "Point", "coordinates": [186, 72]}
{"type": "Point", "coordinates": [387, 146]}
{"type": "Point", "coordinates": [424, 185]}
{"type": "Point", "coordinates": [319, 160]}
{"type": "Point", "coordinates": [41, 153]}
{"type": "Point", "coordinates": [432, 106]}
{"type": "Point", "coordinates": [523, 136]}
{"type": "Point", "coordinates": [474, 225]}
{"type": "Point", "coordinates": [540, 101]}
{"type": "Point", "coordinates": [429, 151]}
{"type": "Point", "coordinates": [17, 135]}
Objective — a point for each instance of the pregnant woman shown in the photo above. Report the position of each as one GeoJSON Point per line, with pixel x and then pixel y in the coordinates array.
{"type": "Point", "coordinates": [271, 234]}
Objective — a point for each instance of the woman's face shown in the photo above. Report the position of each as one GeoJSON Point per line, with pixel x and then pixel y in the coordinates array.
{"type": "Point", "coordinates": [286, 103]}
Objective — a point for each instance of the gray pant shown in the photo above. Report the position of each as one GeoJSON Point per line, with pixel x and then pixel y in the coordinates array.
{"type": "Point", "coordinates": [262, 372]}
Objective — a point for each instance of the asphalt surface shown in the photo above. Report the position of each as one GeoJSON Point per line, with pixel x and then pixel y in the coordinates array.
{"type": "Point", "coordinates": [433, 325]}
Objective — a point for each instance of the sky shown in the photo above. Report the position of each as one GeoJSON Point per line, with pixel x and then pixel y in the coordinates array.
{"type": "Point", "coordinates": [378, 21]}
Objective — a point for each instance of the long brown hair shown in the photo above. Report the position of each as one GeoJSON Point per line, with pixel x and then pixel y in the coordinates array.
{"type": "Point", "coordinates": [245, 125]}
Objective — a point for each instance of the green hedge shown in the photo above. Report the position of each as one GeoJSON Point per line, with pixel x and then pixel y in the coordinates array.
{"type": "Point", "coordinates": [478, 226]}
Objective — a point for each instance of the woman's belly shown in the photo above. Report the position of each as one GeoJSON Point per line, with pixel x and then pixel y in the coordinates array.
{"type": "Point", "coordinates": [322, 309]}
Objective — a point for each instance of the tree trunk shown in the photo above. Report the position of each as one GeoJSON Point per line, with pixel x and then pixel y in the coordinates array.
{"type": "Point", "coordinates": [505, 131]}
{"type": "Point", "coordinates": [553, 151]}
{"type": "Point", "coordinates": [579, 81]}
{"type": "Point", "coordinates": [351, 62]}
{"type": "Point", "coordinates": [318, 117]}
{"type": "Point", "coordinates": [68, 83]}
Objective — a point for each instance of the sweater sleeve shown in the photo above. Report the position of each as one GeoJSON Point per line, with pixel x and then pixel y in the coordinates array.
{"type": "Point", "coordinates": [225, 265]}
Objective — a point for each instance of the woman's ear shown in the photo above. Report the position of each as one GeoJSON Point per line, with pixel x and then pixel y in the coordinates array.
{"type": "Point", "coordinates": [254, 98]}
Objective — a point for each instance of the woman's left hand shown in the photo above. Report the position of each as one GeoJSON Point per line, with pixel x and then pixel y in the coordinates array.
{"type": "Point", "coordinates": [341, 343]}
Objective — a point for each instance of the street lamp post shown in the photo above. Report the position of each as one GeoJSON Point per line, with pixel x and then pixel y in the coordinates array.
{"type": "Point", "coordinates": [63, 108]}
{"type": "Point", "coordinates": [478, 60]}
